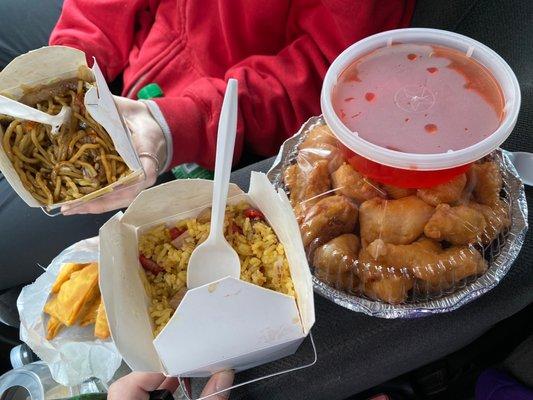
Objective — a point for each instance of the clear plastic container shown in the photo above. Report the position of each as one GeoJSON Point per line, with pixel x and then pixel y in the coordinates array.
{"type": "Point", "coordinates": [410, 169]}
{"type": "Point", "coordinates": [391, 244]}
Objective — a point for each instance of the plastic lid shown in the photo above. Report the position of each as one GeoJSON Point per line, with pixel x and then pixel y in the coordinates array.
{"type": "Point", "coordinates": [150, 91]}
{"type": "Point", "coordinates": [431, 101]}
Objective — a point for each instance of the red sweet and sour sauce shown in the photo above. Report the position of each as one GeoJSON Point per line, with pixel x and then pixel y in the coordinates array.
{"type": "Point", "coordinates": [419, 98]}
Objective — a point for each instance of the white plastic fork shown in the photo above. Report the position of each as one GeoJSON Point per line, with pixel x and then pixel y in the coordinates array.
{"type": "Point", "coordinates": [19, 110]}
{"type": "Point", "coordinates": [215, 258]}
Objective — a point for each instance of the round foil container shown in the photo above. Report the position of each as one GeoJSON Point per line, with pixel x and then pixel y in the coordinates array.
{"type": "Point", "coordinates": [500, 254]}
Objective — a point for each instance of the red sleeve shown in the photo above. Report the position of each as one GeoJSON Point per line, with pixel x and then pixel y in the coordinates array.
{"type": "Point", "coordinates": [103, 29]}
{"type": "Point", "coordinates": [276, 93]}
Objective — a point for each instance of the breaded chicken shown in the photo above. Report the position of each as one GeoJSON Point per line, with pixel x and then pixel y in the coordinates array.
{"type": "Point", "coordinates": [391, 289]}
{"type": "Point", "coordinates": [428, 262]}
{"type": "Point", "coordinates": [320, 144]}
{"type": "Point", "coordinates": [395, 192]}
{"type": "Point", "coordinates": [349, 182]}
{"type": "Point", "coordinates": [319, 136]}
{"type": "Point", "coordinates": [328, 218]}
{"type": "Point", "coordinates": [487, 181]}
{"type": "Point", "coordinates": [399, 221]}
{"type": "Point", "coordinates": [449, 192]}
{"type": "Point", "coordinates": [307, 185]}
{"type": "Point", "coordinates": [335, 262]}
{"type": "Point", "coordinates": [457, 225]}
{"type": "Point", "coordinates": [496, 216]}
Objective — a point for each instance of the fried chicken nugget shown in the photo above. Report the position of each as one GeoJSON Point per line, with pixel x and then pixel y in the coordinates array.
{"type": "Point", "coordinates": [306, 185]}
{"type": "Point", "coordinates": [349, 182]}
{"type": "Point", "coordinates": [330, 217]}
{"type": "Point", "coordinates": [307, 157]}
{"type": "Point", "coordinates": [388, 283]}
{"type": "Point", "coordinates": [395, 221]}
{"type": "Point", "coordinates": [320, 144]}
{"type": "Point", "coordinates": [89, 311]}
{"type": "Point", "coordinates": [53, 327]}
{"type": "Point", "coordinates": [64, 274]}
{"type": "Point", "coordinates": [319, 136]}
{"type": "Point", "coordinates": [334, 262]}
{"type": "Point", "coordinates": [496, 216]}
{"type": "Point", "coordinates": [449, 192]}
{"type": "Point", "coordinates": [101, 326]}
{"type": "Point", "coordinates": [391, 289]}
{"type": "Point", "coordinates": [428, 262]}
{"type": "Point", "coordinates": [487, 180]}
{"type": "Point", "coordinates": [395, 192]}
{"type": "Point", "coordinates": [74, 293]}
{"type": "Point", "coordinates": [457, 225]}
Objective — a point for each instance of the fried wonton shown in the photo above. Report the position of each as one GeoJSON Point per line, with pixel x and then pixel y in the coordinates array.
{"type": "Point", "coordinates": [101, 327]}
{"type": "Point", "coordinates": [64, 274]}
{"type": "Point", "coordinates": [74, 293]}
{"type": "Point", "coordinates": [89, 312]}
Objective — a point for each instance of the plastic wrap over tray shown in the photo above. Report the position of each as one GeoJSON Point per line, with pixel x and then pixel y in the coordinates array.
{"type": "Point", "coordinates": [395, 252]}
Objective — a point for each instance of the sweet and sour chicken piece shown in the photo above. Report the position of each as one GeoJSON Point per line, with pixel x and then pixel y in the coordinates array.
{"type": "Point", "coordinates": [458, 225]}
{"type": "Point", "coordinates": [349, 182]}
{"type": "Point", "coordinates": [449, 192]}
{"type": "Point", "coordinates": [487, 182]}
{"type": "Point", "coordinates": [427, 261]}
{"type": "Point", "coordinates": [306, 185]}
{"type": "Point", "coordinates": [319, 136]}
{"type": "Point", "coordinates": [335, 262]}
{"type": "Point", "coordinates": [392, 289]}
{"type": "Point", "coordinates": [395, 192]}
{"type": "Point", "coordinates": [388, 283]}
{"type": "Point", "coordinates": [496, 216]}
{"type": "Point", "coordinates": [399, 221]}
{"type": "Point", "coordinates": [320, 144]}
{"type": "Point", "coordinates": [328, 218]}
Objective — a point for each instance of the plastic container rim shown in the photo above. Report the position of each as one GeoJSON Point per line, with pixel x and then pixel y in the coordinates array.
{"type": "Point", "coordinates": [501, 71]}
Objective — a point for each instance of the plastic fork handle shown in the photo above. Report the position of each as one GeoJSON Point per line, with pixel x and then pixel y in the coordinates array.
{"type": "Point", "coordinates": [227, 131]}
{"type": "Point", "coordinates": [19, 110]}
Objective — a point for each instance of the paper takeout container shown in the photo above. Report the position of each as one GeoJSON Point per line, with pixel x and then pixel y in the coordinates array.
{"type": "Point", "coordinates": [46, 66]}
{"type": "Point", "coordinates": [227, 324]}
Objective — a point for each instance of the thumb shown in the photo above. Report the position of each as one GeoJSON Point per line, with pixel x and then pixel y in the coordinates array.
{"type": "Point", "coordinates": [220, 381]}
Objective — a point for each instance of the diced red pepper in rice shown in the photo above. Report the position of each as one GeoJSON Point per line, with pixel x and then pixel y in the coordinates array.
{"type": "Point", "coordinates": [149, 265]}
{"type": "Point", "coordinates": [254, 214]}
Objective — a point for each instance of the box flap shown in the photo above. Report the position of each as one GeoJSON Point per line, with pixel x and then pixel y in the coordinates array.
{"type": "Point", "coordinates": [170, 199]}
{"type": "Point", "coordinates": [100, 104]}
{"type": "Point", "coordinates": [40, 67]}
{"type": "Point", "coordinates": [224, 320]}
{"type": "Point", "coordinates": [125, 297]}
{"type": "Point", "coordinates": [278, 211]}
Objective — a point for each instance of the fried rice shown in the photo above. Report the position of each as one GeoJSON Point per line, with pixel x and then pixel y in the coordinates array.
{"type": "Point", "coordinates": [262, 256]}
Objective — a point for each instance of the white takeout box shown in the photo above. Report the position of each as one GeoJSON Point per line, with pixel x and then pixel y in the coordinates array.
{"type": "Point", "coordinates": [228, 324]}
{"type": "Point", "coordinates": [51, 64]}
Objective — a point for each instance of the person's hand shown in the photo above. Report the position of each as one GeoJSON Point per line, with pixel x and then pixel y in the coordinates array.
{"type": "Point", "coordinates": [138, 385]}
{"type": "Point", "coordinates": [147, 138]}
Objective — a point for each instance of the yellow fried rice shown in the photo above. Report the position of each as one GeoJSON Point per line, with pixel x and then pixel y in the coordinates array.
{"type": "Point", "coordinates": [262, 256]}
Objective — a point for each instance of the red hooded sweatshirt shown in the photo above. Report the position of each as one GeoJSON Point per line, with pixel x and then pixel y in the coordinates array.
{"type": "Point", "coordinates": [279, 50]}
